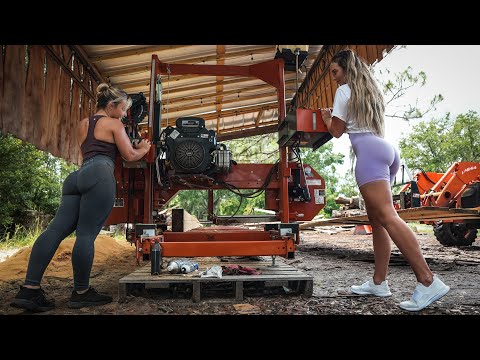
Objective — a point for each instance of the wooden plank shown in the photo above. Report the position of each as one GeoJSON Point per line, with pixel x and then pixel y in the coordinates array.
{"type": "Point", "coordinates": [226, 278]}
{"type": "Point", "coordinates": [308, 289]}
{"type": "Point", "coordinates": [314, 99]}
{"type": "Point", "coordinates": [182, 221]}
{"type": "Point", "coordinates": [371, 53]}
{"type": "Point", "coordinates": [74, 148]}
{"type": "Point", "coordinates": [328, 90]}
{"type": "Point", "coordinates": [64, 120]}
{"type": "Point", "coordinates": [49, 138]}
{"type": "Point", "coordinates": [34, 107]}
{"type": "Point", "coordinates": [239, 291]}
{"type": "Point", "coordinates": [380, 49]}
{"type": "Point", "coordinates": [196, 292]}
{"type": "Point", "coordinates": [202, 267]}
{"type": "Point", "coordinates": [14, 90]}
{"type": "Point", "coordinates": [362, 52]}
{"type": "Point", "coordinates": [323, 95]}
{"type": "Point", "coordinates": [415, 214]}
{"type": "Point", "coordinates": [122, 292]}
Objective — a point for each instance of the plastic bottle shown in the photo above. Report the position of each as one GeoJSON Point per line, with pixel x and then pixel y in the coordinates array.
{"type": "Point", "coordinates": [175, 266]}
{"type": "Point", "coordinates": [155, 258]}
{"type": "Point", "coordinates": [189, 267]}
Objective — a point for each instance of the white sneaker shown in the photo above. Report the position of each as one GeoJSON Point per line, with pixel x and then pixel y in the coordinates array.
{"type": "Point", "coordinates": [425, 295]}
{"type": "Point", "coordinates": [369, 288]}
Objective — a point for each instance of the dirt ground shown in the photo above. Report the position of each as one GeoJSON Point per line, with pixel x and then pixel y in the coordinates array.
{"type": "Point", "coordinates": [336, 261]}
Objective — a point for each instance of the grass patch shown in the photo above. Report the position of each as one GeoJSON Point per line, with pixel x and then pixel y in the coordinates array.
{"type": "Point", "coordinates": [421, 228]}
{"type": "Point", "coordinates": [20, 237]}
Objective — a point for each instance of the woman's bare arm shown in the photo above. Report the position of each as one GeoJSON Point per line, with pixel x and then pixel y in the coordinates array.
{"type": "Point", "coordinates": [334, 125]}
{"type": "Point", "coordinates": [127, 151]}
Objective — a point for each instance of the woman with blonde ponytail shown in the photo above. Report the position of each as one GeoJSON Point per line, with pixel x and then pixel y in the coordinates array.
{"type": "Point", "coordinates": [358, 110]}
{"type": "Point", "coordinates": [88, 195]}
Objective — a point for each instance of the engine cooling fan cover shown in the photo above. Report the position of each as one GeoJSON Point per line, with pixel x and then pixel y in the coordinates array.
{"type": "Point", "coordinates": [189, 154]}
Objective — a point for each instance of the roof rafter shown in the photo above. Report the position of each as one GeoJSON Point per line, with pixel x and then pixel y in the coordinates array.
{"type": "Point", "coordinates": [145, 66]}
{"type": "Point", "coordinates": [137, 51]}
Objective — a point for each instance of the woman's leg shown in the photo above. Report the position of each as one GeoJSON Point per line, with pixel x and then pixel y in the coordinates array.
{"type": "Point", "coordinates": [62, 225]}
{"type": "Point", "coordinates": [378, 200]}
{"type": "Point", "coordinates": [381, 250]}
{"type": "Point", "coordinates": [97, 184]}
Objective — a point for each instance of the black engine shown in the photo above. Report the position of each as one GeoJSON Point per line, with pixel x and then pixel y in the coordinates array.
{"type": "Point", "coordinates": [192, 149]}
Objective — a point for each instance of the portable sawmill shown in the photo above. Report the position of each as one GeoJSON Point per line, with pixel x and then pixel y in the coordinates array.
{"type": "Point", "coordinates": [187, 156]}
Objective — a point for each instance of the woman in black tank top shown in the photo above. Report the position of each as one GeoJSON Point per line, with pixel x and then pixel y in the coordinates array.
{"type": "Point", "coordinates": [88, 195]}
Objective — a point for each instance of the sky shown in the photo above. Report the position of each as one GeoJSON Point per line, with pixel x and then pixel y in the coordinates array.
{"type": "Point", "coordinates": [451, 70]}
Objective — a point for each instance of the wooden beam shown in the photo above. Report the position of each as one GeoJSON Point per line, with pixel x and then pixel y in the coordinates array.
{"type": "Point", "coordinates": [108, 55]}
{"type": "Point", "coordinates": [167, 84]}
{"type": "Point", "coordinates": [145, 66]}
{"type": "Point", "coordinates": [229, 113]}
{"type": "Point", "coordinates": [213, 103]}
{"type": "Point", "coordinates": [241, 111]}
{"type": "Point", "coordinates": [220, 92]}
{"type": "Point", "coordinates": [168, 93]}
{"type": "Point", "coordinates": [268, 129]}
{"type": "Point", "coordinates": [259, 116]}
{"type": "Point", "coordinates": [216, 57]}
{"type": "Point", "coordinates": [56, 57]}
{"type": "Point", "coordinates": [82, 55]}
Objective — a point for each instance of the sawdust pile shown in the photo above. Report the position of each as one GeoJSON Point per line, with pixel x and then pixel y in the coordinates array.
{"type": "Point", "coordinates": [106, 247]}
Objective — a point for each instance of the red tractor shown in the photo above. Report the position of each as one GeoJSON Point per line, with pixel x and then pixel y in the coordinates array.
{"type": "Point", "coordinates": [458, 188]}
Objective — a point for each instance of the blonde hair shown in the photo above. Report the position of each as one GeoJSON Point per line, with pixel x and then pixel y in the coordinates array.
{"type": "Point", "coordinates": [366, 103]}
{"type": "Point", "coordinates": [107, 94]}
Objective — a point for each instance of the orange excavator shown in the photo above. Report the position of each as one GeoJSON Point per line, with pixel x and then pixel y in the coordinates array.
{"type": "Point", "coordinates": [457, 188]}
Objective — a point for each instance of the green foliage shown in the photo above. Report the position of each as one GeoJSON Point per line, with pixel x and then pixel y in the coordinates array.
{"type": "Point", "coordinates": [325, 162]}
{"type": "Point", "coordinates": [30, 179]}
{"type": "Point", "coordinates": [229, 203]}
{"type": "Point", "coordinates": [437, 144]}
{"type": "Point", "coordinates": [348, 186]}
{"type": "Point", "coordinates": [21, 236]}
{"type": "Point", "coordinates": [396, 87]}
{"type": "Point", "coordinates": [194, 201]}
{"type": "Point", "coordinates": [258, 149]}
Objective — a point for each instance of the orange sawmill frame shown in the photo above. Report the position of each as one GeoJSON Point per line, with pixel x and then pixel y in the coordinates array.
{"type": "Point", "coordinates": [231, 241]}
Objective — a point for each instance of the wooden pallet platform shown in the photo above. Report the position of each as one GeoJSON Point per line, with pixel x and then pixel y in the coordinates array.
{"type": "Point", "coordinates": [280, 279]}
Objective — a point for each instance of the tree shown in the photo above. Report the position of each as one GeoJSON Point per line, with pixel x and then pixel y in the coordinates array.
{"type": "Point", "coordinates": [435, 145]}
{"type": "Point", "coordinates": [394, 89]}
{"type": "Point", "coordinates": [194, 201]}
{"type": "Point", "coordinates": [30, 179]}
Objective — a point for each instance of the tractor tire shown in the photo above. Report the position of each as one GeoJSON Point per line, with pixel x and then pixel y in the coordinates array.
{"type": "Point", "coordinates": [454, 234]}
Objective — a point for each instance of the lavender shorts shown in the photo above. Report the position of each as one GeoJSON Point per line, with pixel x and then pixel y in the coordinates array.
{"type": "Point", "coordinates": [377, 159]}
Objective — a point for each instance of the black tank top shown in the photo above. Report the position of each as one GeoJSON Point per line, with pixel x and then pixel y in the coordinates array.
{"type": "Point", "coordinates": [92, 147]}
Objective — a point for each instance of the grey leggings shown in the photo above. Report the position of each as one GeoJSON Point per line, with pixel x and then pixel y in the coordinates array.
{"type": "Point", "coordinates": [88, 195]}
